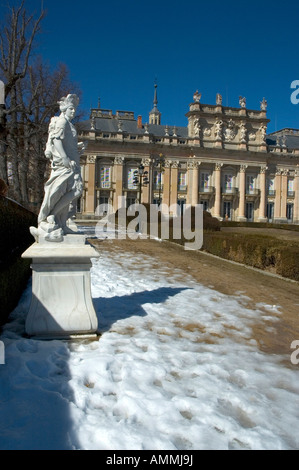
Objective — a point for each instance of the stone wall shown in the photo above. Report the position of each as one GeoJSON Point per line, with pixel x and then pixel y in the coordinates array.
{"type": "Point", "coordinates": [15, 237]}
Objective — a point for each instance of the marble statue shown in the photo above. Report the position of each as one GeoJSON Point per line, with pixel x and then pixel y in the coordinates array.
{"type": "Point", "coordinates": [196, 97]}
{"type": "Point", "coordinates": [264, 105]}
{"type": "Point", "coordinates": [218, 99]}
{"type": "Point", "coordinates": [65, 185]}
{"type": "Point", "coordinates": [242, 102]}
{"type": "Point", "coordinates": [218, 129]}
{"type": "Point", "coordinates": [197, 127]}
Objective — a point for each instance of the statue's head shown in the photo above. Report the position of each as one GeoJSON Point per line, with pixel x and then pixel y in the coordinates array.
{"type": "Point", "coordinates": [69, 101]}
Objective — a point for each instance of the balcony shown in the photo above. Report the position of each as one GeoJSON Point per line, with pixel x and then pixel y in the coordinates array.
{"type": "Point", "coordinates": [252, 192]}
{"type": "Point", "coordinates": [230, 191]}
{"type": "Point", "coordinates": [182, 188]}
{"type": "Point", "coordinates": [271, 193]}
{"type": "Point", "coordinates": [206, 190]}
{"type": "Point", "coordinates": [291, 194]}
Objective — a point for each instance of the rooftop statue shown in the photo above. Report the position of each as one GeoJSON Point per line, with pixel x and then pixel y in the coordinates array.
{"type": "Point", "coordinates": [65, 185]}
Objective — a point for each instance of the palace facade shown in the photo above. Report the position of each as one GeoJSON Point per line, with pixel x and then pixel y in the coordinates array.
{"type": "Point", "coordinates": [222, 159]}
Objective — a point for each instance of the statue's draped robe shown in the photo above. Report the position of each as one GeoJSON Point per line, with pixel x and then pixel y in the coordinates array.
{"type": "Point", "coordinates": [62, 180]}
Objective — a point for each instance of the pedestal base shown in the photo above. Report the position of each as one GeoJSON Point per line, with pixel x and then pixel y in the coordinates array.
{"type": "Point", "coordinates": [61, 305]}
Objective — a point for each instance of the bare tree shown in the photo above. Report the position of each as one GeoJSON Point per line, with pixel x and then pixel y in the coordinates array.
{"type": "Point", "coordinates": [16, 42]}
{"type": "Point", "coordinates": [30, 99]}
{"type": "Point", "coordinates": [38, 95]}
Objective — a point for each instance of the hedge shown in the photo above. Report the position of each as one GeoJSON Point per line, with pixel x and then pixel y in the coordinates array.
{"type": "Point", "coordinates": [259, 251]}
{"type": "Point", "coordinates": [15, 238]}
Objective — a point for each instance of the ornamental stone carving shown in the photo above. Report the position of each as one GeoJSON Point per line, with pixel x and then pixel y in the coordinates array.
{"type": "Point", "coordinates": [119, 126]}
{"type": "Point", "coordinates": [263, 169]}
{"type": "Point", "coordinates": [218, 99]}
{"type": "Point", "coordinates": [91, 159]}
{"type": "Point", "coordinates": [207, 132]}
{"type": "Point", "coordinates": [264, 105]}
{"type": "Point", "coordinates": [218, 166]}
{"type": "Point", "coordinates": [196, 127]}
{"type": "Point", "coordinates": [242, 102]}
{"type": "Point", "coordinates": [263, 131]}
{"type": "Point", "coordinates": [175, 164]}
{"type": "Point", "coordinates": [146, 161]}
{"type": "Point", "coordinates": [196, 97]}
{"type": "Point", "coordinates": [243, 168]}
{"type": "Point", "coordinates": [283, 141]}
{"type": "Point", "coordinates": [193, 165]}
{"type": "Point", "coordinates": [168, 163]}
{"type": "Point", "coordinates": [218, 129]}
{"type": "Point", "coordinates": [243, 131]}
{"type": "Point", "coordinates": [230, 133]}
{"type": "Point", "coordinates": [118, 160]}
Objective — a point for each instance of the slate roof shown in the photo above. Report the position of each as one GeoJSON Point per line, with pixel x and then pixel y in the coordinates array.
{"type": "Point", "coordinates": [130, 126]}
{"type": "Point", "coordinates": [291, 139]}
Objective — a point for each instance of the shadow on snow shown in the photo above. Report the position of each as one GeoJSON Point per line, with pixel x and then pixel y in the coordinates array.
{"type": "Point", "coordinates": [110, 310]}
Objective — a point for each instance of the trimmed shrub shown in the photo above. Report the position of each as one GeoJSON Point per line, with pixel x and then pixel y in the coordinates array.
{"type": "Point", "coordinates": [259, 251]}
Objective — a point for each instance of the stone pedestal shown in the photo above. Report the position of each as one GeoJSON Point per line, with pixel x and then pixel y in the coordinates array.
{"type": "Point", "coordinates": [61, 305]}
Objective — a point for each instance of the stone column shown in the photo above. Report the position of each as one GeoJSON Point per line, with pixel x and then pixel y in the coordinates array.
{"type": "Point", "coordinates": [217, 207]}
{"type": "Point", "coordinates": [118, 181]}
{"type": "Point", "coordinates": [284, 195]}
{"type": "Point", "coordinates": [174, 183]}
{"type": "Point", "coordinates": [242, 189]}
{"type": "Point", "coordinates": [189, 178]}
{"type": "Point", "coordinates": [296, 198]}
{"type": "Point", "coordinates": [90, 193]}
{"type": "Point", "coordinates": [277, 202]}
{"type": "Point", "coordinates": [262, 208]}
{"type": "Point", "coordinates": [166, 183]}
{"type": "Point", "coordinates": [195, 172]}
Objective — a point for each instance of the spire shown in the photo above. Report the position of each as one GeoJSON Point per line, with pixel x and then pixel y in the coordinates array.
{"type": "Point", "coordinates": [155, 97]}
{"type": "Point", "coordinates": [155, 115]}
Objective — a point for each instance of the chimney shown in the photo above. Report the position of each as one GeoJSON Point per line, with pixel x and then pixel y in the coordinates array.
{"type": "Point", "coordinates": [139, 122]}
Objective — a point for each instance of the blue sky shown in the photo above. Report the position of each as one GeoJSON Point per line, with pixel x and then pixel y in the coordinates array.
{"type": "Point", "coordinates": [116, 49]}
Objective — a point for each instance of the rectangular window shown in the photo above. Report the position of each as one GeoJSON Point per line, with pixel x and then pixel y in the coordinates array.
{"type": "Point", "coordinates": [270, 186]}
{"type": "Point", "coordinates": [291, 192]}
{"type": "Point", "coordinates": [250, 184]}
{"type": "Point", "coordinates": [204, 181]}
{"type": "Point", "coordinates": [228, 183]}
{"type": "Point", "coordinates": [105, 177]}
{"type": "Point", "coordinates": [182, 181]}
{"type": "Point", "coordinates": [130, 176]}
{"type": "Point", "coordinates": [290, 185]}
{"type": "Point", "coordinates": [157, 180]}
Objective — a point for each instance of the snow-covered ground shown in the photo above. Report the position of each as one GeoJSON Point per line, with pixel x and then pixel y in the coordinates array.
{"type": "Point", "coordinates": [176, 368]}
